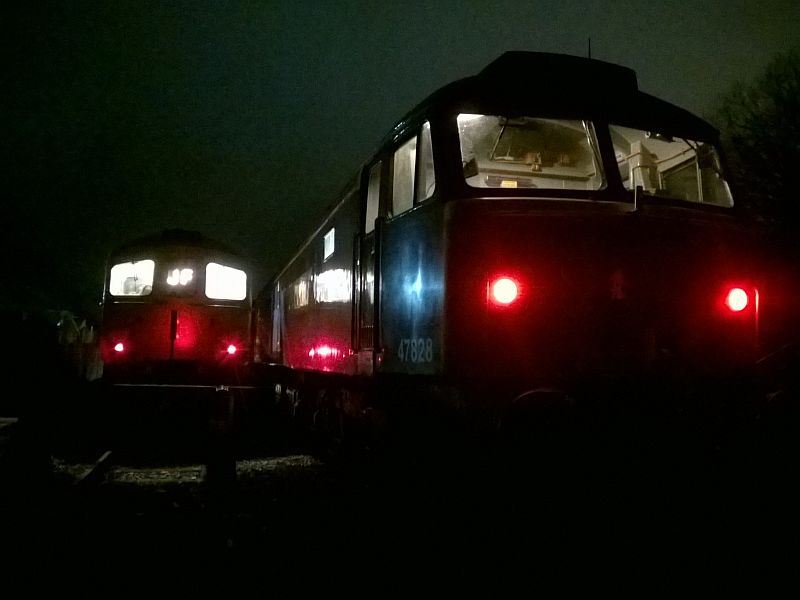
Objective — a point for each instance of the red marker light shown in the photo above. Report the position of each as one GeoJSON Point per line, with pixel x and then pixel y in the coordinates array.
{"type": "Point", "coordinates": [736, 299]}
{"type": "Point", "coordinates": [324, 352]}
{"type": "Point", "coordinates": [503, 291]}
{"type": "Point", "coordinates": [119, 347]}
{"type": "Point", "coordinates": [231, 349]}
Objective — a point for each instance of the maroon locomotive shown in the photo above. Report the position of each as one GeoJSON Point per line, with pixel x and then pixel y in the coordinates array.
{"type": "Point", "coordinates": [176, 308]}
{"type": "Point", "coordinates": [175, 340]}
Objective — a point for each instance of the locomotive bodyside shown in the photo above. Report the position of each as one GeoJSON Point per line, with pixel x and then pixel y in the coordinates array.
{"type": "Point", "coordinates": [601, 291]}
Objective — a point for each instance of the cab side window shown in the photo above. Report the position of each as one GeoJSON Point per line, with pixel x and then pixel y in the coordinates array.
{"type": "Point", "coordinates": [404, 164]}
{"type": "Point", "coordinates": [413, 176]}
{"type": "Point", "coordinates": [426, 178]}
{"type": "Point", "coordinates": [373, 197]}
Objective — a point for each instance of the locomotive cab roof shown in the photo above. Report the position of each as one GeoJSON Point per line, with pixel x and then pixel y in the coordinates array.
{"type": "Point", "coordinates": [564, 72]}
{"type": "Point", "coordinates": [173, 239]}
{"type": "Point", "coordinates": [559, 85]}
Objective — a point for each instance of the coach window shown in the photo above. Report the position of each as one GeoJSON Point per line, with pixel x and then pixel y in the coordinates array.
{"type": "Point", "coordinates": [298, 291]}
{"type": "Point", "coordinates": [405, 159]}
{"type": "Point", "coordinates": [426, 180]}
{"type": "Point", "coordinates": [373, 196]}
{"type": "Point", "coordinates": [328, 244]}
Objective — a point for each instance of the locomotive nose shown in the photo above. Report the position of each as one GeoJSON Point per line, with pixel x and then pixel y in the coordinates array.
{"type": "Point", "coordinates": [566, 298]}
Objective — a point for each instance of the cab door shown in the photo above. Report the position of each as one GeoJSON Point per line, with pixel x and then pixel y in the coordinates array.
{"type": "Point", "coordinates": [366, 332]}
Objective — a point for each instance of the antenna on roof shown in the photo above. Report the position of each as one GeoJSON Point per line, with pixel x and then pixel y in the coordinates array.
{"type": "Point", "coordinates": [590, 48]}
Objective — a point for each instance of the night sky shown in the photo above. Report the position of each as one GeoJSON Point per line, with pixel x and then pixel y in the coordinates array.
{"type": "Point", "coordinates": [244, 120]}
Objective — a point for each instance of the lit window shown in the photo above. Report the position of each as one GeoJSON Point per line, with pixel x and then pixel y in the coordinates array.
{"type": "Point", "coordinates": [225, 283]}
{"type": "Point", "coordinates": [403, 177]}
{"type": "Point", "coordinates": [426, 179]}
{"type": "Point", "coordinates": [333, 286]}
{"type": "Point", "coordinates": [329, 243]}
{"type": "Point", "coordinates": [299, 291]}
{"type": "Point", "coordinates": [133, 278]}
{"type": "Point", "coordinates": [670, 166]}
{"type": "Point", "coordinates": [373, 197]}
{"type": "Point", "coordinates": [524, 152]}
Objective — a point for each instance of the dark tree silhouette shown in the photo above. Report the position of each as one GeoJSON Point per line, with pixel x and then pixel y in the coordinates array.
{"type": "Point", "coordinates": [760, 126]}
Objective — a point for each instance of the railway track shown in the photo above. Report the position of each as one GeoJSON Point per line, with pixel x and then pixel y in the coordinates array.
{"type": "Point", "coordinates": [85, 474]}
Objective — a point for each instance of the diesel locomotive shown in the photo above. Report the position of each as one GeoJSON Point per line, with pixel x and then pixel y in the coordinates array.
{"type": "Point", "coordinates": [529, 235]}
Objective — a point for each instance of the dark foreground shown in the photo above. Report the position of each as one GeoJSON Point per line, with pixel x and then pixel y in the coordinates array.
{"type": "Point", "coordinates": [601, 505]}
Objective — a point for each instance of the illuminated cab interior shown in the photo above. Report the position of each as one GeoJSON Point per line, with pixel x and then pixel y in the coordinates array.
{"type": "Point", "coordinates": [145, 279]}
{"type": "Point", "coordinates": [532, 153]}
{"type": "Point", "coordinates": [138, 278]}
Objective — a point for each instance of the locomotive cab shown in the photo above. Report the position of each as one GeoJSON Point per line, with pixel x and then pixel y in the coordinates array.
{"type": "Point", "coordinates": [176, 309]}
{"type": "Point", "coordinates": [573, 235]}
